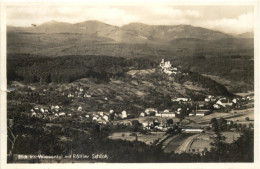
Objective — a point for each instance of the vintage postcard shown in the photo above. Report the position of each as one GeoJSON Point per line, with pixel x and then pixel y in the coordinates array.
{"type": "Point", "coordinates": [129, 84]}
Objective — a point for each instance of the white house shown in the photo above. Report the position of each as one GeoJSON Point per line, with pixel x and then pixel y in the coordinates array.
{"type": "Point", "coordinates": [87, 95]}
{"type": "Point", "coordinates": [101, 113]}
{"type": "Point", "coordinates": [192, 130]}
{"type": "Point", "coordinates": [180, 99]}
{"type": "Point", "coordinates": [34, 114]}
{"type": "Point", "coordinates": [124, 114]}
{"type": "Point", "coordinates": [165, 114]}
{"type": "Point", "coordinates": [79, 108]}
{"type": "Point", "coordinates": [62, 114]}
{"type": "Point", "coordinates": [42, 110]}
{"type": "Point", "coordinates": [106, 118]}
{"type": "Point", "coordinates": [178, 111]}
{"type": "Point", "coordinates": [224, 103]}
{"type": "Point", "coordinates": [142, 114]}
{"type": "Point", "coordinates": [111, 111]}
{"type": "Point", "coordinates": [192, 114]}
{"type": "Point", "coordinates": [150, 110]}
{"type": "Point", "coordinates": [216, 106]}
{"type": "Point", "coordinates": [70, 95]}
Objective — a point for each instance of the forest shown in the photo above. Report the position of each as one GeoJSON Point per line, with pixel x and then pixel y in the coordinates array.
{"type": "Point", "coordinates": [66, 69]}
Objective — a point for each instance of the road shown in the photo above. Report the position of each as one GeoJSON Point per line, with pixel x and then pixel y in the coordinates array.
{"type": "Point", "coordinates": [186, 144]}
{"type": "Point", "coordinates": [178, 142]}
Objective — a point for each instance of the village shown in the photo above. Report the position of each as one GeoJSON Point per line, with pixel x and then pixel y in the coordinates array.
{"type": "Point", "coordinates": [189, 116]}
{"type": "Point", "coordinates": [187, 107]}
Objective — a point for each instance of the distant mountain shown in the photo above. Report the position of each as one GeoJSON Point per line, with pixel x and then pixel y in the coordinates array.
{"type": "Point", "coordinates": [132, 33]}
{"type": "Point", "coordinates": [246, 35]}
{"type": "Point", "coordinates": [168, 33]}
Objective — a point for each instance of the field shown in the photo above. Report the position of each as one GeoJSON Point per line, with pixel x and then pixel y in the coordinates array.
{"type": "Point", "coordinates": [130, 136]}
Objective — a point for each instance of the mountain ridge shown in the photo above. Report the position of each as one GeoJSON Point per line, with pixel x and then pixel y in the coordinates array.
{"type": "Point", "coordinates": [134, 31]}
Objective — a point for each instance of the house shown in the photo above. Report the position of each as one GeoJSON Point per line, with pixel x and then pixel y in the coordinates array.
{"type": "Point", "coordinates": [87, 95]}
{"type": "Point", "coordinates": [142, 114]}
{"type": "Point", "coordinates": [158, 127]}
{"type": "Point", "coordinates": [207, 100]}
{"type": "Point", "coordinates": [101, 113]}
{"type": "Point", "coordinates": [42, 110]}
{"type": "Point", "coordinates": [202, 112]}
{"type": "Point", "coordinates": [150, 111]}
{"type": "Point", "coordinates": [62, 114]}
{"type": "Point", "coordinates": [216, 106]}
{"type": "Point", "coordinates": [224, 103]}
{"type": "Point", "coordinates": [111, 111]}
{"type": "Point", "coordinates": [57, 108]}
{"type": "Point", "coordinates": [179, 111]}
{"type": "Point", "coordinates": [188, 129]}
{"type": "Point", "coordinates": [165, 113]}
{"type": "Point", "coordinates": [79, 108]}
{"type": "Point", "coordinates": [234, 101]}
{"type": "Point", "coordinates": [210, 98]}
{"type": "Point", "coordinates": [34, 114]}
{"type": "Point", "coordinates": [146, 124]}
{"type": "Point", "coordinates": [124, 114]}
{"type": "Point", "coordinates": [249, 98]}
{"type": "Point", "coordinates": [70, 95]}
{"type": "Point", "coordinates": [192, 114]}
{"type": "Point", "coordinates": [106, 118]}
{"type": "Point", "coordinates": [180, 99]}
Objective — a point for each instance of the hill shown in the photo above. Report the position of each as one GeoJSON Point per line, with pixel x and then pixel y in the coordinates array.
{"type": "Point", "coordinates": [202, 50]}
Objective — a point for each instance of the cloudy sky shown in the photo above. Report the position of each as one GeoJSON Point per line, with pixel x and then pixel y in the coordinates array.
{"type": "Point", "coordinates": [229, 19]}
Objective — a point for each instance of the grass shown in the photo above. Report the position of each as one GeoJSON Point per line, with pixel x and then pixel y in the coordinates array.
{"type": "Point", "coordinates": [146, 138]}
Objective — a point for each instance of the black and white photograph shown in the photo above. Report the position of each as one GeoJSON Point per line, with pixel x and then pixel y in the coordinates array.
{"type": "Point", "coordinates": [130, 83]}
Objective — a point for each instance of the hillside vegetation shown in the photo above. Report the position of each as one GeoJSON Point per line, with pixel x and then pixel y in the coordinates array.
{"type": "Point", "coordinates": [208, 52]}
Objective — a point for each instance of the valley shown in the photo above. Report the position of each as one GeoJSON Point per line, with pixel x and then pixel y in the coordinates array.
{"type": "Point", "coordinates": [93, 88]}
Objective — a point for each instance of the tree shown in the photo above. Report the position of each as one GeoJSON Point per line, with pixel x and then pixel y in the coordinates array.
{"type": "Point", "coordinates": [136, 125]}
{"type": "Point", "coordinates": [12, 137]}
{"type": "Point", "coordinates": [218, 144]}
{"type": "Point", "coordinates": [169, 122]}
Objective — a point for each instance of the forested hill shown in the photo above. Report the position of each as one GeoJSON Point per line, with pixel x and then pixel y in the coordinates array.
{"type": "Point", "coordinates": [34, 69]}
{"type": "Point", "coordinates": [66, 69]}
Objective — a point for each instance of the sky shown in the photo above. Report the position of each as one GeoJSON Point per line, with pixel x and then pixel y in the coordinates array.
{"type": "Point", "coordinates": [228, 19]}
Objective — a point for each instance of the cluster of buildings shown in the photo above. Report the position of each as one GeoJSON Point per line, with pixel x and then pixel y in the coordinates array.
{"type": "Point", "coordinates": [167, 68]}
{"type": "Point", "coordinates": [79, 92]}
{"type": "Point", "coordinates": [45, 111]}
